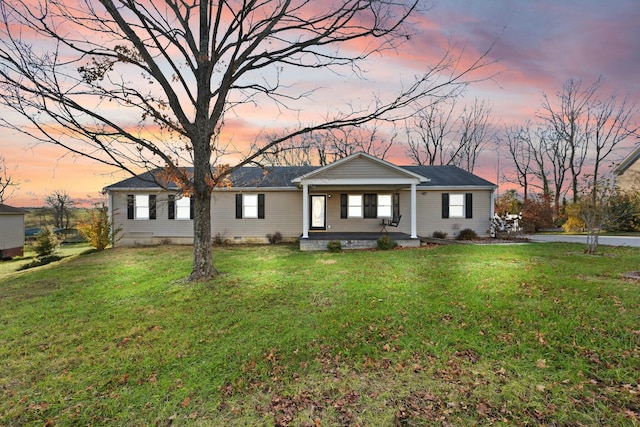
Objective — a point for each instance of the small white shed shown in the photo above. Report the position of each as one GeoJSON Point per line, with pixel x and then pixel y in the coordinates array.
{"type": "Point", "coordinates": [11, 231]}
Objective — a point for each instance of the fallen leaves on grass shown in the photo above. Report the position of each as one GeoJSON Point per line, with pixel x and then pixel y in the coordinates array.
{"type": "Point", "coordinates": [185, 402]}
{"type": "Point", "coordinates": [285, 409]}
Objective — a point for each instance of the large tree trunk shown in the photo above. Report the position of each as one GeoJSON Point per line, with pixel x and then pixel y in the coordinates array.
{"type": "Point", "coordinates": [201, 192]}
{"type": "Point", "coordinates": [202, 254]}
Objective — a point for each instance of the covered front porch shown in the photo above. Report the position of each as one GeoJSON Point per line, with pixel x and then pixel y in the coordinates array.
{"type": "Point", "coordinates": [317, 241]}
{"type": "Point", "coordinates": [354, 200]}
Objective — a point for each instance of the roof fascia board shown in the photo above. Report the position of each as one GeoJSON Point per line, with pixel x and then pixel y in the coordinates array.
{"type": "Point", "coordinates": [362, 181]}
{"type": "Point", "coordinates": [108, 190]}
{"type": "Point", "coordinates": [456, 187]}
{"type": "Point", "coordinates": [627, 161]}
{"type": "Point", "coordinates": [245, 189]}
{"type": "Point", "coordinates": [232, 189]}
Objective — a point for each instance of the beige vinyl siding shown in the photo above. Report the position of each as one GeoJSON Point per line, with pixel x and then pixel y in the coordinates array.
{"type": "Point", "coordinates": [630, 179]}
{"type": "Point", "coordinates": [150, 231]}
{"type": "Point", "coordinates": [429, 214]}
{"type": "Point", "coordinates": [365, 225]}
{"type": "Point", "coordinates": [282, 211]}
{"type": "Point", "coordinates": [429, 207]}
{"type": "Point", "coordinates": [360, 168]}
{"type": "Point", "coordinates": [11, 231]}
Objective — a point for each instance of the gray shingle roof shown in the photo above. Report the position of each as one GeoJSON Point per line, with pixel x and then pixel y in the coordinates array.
{"type": "Point", "coordinates": [247, 177]}
{"type": "Point", "coordinates": [281, 177]}
{"type": "Point", "coordinates": [6, 209]}
{"type": "Point", "coordinates": [448, 176]}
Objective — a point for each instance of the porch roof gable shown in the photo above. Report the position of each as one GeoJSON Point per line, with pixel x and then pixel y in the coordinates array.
{"type": "Point", "coordinates": [360, 169]}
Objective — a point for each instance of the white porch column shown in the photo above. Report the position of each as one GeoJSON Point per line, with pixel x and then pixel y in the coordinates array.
{"type": "Point", "coordinates": [305, 211]}
{"type": "Point", "coordinates": [414, 220]}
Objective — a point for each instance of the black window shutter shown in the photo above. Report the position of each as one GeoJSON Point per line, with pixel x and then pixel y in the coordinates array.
{"type": "Point", "coordinates": [261, 206]}
{"type": "Point", "coordinates": [445, 205]}
{"type": "Point", "coordinates": [468, 205]}
{"type": "Point", "coordinates": [238, 206]}
{"type": "Point", "coordinates": [130, 206]}
{"type": "Point", "coordinates": [172, 206]}
{"type": "Point", "coordinates": [343, 206]}
{"type": "Point", "coordinates": [152, 206]}
{"type": "Point", "coordinates": [396, 205]}
{"type": "Point", "coordinates": [192, 207]}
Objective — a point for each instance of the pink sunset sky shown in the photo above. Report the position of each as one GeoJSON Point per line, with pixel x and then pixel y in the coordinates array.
{"type": "Point", "coordinates": [540, 44]}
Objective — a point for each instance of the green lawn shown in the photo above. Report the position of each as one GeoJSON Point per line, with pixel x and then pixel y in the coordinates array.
{"type": "Point", "coordinates": [64, 251]}
{"type": "Point", "coordinates": [536, 334]}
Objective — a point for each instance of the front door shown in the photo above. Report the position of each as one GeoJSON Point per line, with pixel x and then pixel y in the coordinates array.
{"type": "Point", "coordinates": [318, 212]}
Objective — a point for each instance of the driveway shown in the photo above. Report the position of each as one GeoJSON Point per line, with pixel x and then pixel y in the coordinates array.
{"type": "Point", "coordinates": [602, 240]}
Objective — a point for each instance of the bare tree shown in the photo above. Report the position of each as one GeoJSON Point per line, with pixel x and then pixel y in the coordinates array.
{"type": "Point", "coordinates": [440, 134]}
{"type": "Point", "coordinates": [519, 146]}
{"type": "Point", "coordinates": [474, 134]}
{"type": "Point", "coordinates": [7, 183]}
{"type": "Point", "coordinates": [300, 151]}
{"type": "Point", "coordinates": [324, 147]}
{"type": "Point", "coordinates": [60, 208]}
{"type": "Point", "coordinates": [612, 123]}
{"type": "Point", "coordinates": [597, 212]}
{"type": "Point", "coordinates": [149, 83]}
{"type": "Point", "coordinates": [339, 143]}
{"type": "Point", "coordinates": [540, 160]}
{"type": "Point", "coordinates": [429, 133]}
{"type": "Point", "coordinates": [569, 118]}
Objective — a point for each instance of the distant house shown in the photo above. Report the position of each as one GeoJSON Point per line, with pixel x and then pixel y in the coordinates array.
{"type": "Point", "coordinates": [628, 171]}
{"type": "Point", "coordinates": [352, 199]}
{"type": "Point", "coordinates": [11, 231]}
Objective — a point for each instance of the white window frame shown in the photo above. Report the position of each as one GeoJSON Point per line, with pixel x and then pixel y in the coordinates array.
{"type": "Point", "coordinates": [250, 206]}
{"type": "Point", "coordinates": [141, 206]}
{"type": "Point", "coordinates": [355, 206]}
{"type": "Point", "coordinates": [385, 210]}
{"type": "Point", "coordinates": [183, 208]}
{"type": "Point", "coordinates": [456, 205]}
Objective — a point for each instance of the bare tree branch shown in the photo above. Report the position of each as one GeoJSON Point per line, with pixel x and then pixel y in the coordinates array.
{"type": "Point", "coordinates": [8, 184]}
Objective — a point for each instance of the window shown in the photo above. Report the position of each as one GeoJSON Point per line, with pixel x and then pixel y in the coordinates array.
{"type": "Point", "coordinates": [141, 206]}
{"type": "Point", "coordinates": [249, 206]}
{"type": "Point", "coordinates": [354, 209]}
{"type": "Point", "coordinates": [181, 208]}
{"type": "Point", "coordinates": [369, 205]}
{"type": "Point", "coordinates": [385, 206]}
{"type": "Point", "coordinates": [457, 205]}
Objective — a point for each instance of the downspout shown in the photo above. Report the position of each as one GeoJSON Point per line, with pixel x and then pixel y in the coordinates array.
{"type": "Point", "coordinates": [111, 218]}
{"type": "Point", "coordinates": [493, 203]}
{"type": "Point", "coordinates": [305, 211]}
